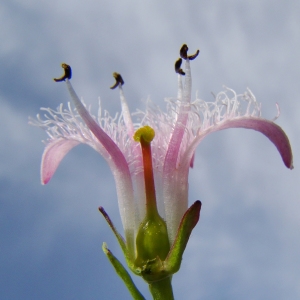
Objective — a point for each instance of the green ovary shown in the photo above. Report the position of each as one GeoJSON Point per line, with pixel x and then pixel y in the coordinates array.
{"type": "Point", "coordinates": [152, 240]}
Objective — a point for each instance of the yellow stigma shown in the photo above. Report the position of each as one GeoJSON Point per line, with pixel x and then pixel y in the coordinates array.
{"type": "Point", "coordinates": [146, 132]}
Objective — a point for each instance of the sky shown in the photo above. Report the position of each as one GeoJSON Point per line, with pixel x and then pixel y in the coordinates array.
{"type": "Point", "coordinates": [246, 244]}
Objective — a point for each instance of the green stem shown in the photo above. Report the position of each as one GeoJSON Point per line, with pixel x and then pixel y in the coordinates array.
{"type": "Point", "coordinates": [162, 290]}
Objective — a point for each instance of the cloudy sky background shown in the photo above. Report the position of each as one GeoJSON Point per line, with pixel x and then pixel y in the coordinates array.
{"type": "Point", "coordinates": [246, 245]}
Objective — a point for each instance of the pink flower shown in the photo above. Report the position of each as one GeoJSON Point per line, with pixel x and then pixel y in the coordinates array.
{"type": "Point", "coordinates": [178, 132]}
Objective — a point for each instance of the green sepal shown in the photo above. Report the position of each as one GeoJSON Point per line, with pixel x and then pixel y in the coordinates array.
{"type": "Point", "coordinates": [156, 269]}
{"type": "Point", "coordinates": [122, 272]}
{"type": "Point", "coordinates": [187, 224]}
{"type": "Point", "coordinates": [129, 259]}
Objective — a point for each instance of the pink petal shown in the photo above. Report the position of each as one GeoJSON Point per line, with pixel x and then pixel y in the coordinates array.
{"type": "Point", "coordinates": [53, 154]}
{"type": "Point", "coordinates": [171, 181]}
{"type": "Point", "coordinates": [192, 161]}
{"type": "Point", "coordinates": [119, 168]}
{"type": "Point", "coordinates": [116, 154]}
{"type": "Point", "coordinates": [179, 128]}
{"type": "Point", "coordinates": [271, 130]}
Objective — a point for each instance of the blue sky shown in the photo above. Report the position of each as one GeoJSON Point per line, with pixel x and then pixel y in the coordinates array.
{"type": "Point", "coordinates": [246, 245]}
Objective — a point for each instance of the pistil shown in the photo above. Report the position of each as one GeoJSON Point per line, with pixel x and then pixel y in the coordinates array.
{"type": "Point", "coordinates": [145, 135]}
{"type": "Point", "coordinates": [152, 239]}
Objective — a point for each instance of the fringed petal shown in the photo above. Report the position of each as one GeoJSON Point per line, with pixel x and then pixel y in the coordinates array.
{"type": "Point", "coordinates": [179, 127]}
{"type": "Point", "coordinates": [271, 130]}
{"type": "Point", "coordinates": [136, 163]}
{"type": "Point", "coordinates": [119, 168]}
{"type": "Point", "coordinates": [53, 154]}
{"type": "Point", "coordinates": [117, 156]}
{"type": "Point", "coordinates": [170, 176]}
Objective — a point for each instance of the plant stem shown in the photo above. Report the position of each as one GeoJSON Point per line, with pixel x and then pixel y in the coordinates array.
{"type": "Point", "coordinates": [162, 290]}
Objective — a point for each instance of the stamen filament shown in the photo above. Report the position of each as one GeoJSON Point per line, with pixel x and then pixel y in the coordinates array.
{"type": "Point", "coordinates": [126, 113]}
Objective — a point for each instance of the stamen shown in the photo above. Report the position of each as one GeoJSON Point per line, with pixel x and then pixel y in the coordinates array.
{"type": "Point", "coordinates": [178, 65]}
{"type": "Point", "coordinates": [193, 56]}
{"type": "Point", "coordinates": [119, 80]}
{"type": "Point", "coordinates": [183, 53]}
{"type": "Point", "coordinates": [67, 75]}
{"type": "Point", "coordinates": [126, 113]}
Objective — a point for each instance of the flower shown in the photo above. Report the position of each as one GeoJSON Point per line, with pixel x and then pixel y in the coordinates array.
{"type": "Point", "coordinates": [178, 132]}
